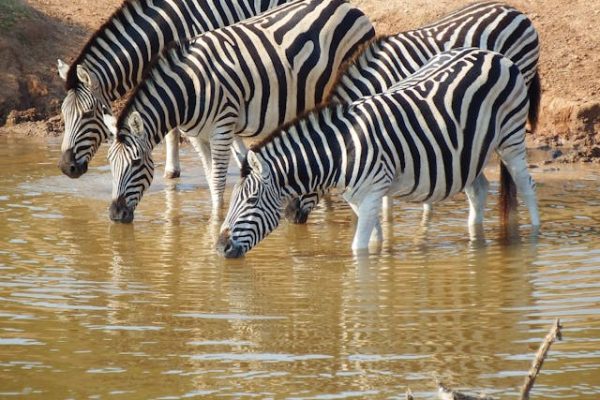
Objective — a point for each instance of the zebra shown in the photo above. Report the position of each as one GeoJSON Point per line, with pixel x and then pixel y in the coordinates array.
{"type": "Point", "coordinates": [112, 61]}
{"type": "Point", "coordinates": [423, 140]}
{"type": "Point", "coordinates": [386, 60]}
{"type": "Point", "coordinates": [243, 80]}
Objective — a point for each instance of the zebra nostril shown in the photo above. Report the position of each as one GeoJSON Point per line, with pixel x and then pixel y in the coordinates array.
{"type": "Point", "coordinates": [227, 248]}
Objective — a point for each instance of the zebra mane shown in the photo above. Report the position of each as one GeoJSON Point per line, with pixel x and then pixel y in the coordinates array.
{"type": "Point", "coordinates": [245, 169]}
{"type": "Point", "coordinates": [72, 81]}
{"type": "Point", "coordinates": [346, 65]}
{"type": "Point", "coordinates": [282, 129]}
{"type": "Point", "coordinates": [146, 73]}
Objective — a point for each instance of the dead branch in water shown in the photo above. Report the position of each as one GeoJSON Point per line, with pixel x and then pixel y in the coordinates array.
{"type": "Point", "coordinates": [554, 334]}
{"type": "Point", "coordinates": [445, 393]}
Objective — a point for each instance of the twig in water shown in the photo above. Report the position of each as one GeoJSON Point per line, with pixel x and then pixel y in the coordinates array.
{"type": "Point", "coordinates": [554, 334]}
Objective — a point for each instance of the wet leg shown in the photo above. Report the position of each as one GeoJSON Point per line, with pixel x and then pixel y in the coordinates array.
{"type": "Point", "coordinates": [477, 195]}
{"type": "Point", "coordinates": [172, 166]}
{"type": "Point", "coordinates": [367, 210]}
{"type": "Point", "coordinates": [517, 167]}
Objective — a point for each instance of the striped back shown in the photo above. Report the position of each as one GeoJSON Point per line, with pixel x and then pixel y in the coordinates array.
{"type": "Point", "coordinates": [389, 59]}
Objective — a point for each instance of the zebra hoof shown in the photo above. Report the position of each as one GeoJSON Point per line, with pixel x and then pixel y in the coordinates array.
{"type": "Point", "coordinates": [172, 174]}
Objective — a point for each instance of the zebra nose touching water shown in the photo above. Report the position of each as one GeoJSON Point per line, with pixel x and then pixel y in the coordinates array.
{"type": "Point", "coordinates": [69, 165]}
{"type": "Point", "coordinates": [423, 140]}
{"type": "Point", "coordinates": [243, 80]}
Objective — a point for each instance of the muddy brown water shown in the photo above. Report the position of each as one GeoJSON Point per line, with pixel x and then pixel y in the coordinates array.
{"type": "Point", "coordinates": [93, 309]}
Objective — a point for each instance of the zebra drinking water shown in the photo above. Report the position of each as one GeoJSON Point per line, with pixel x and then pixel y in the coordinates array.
{"type": "Point", "coordinates": [387, 60]}
{"type": "Point", "coordinates": [112, 61]}
{"type": "Point", "coordinates": [239, 81]}
{"type": "Point", "coordinates": [423, 140]}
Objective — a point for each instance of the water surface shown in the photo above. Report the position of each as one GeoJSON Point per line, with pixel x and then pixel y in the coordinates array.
{"type": "Point", "coordinates": [93, 309]}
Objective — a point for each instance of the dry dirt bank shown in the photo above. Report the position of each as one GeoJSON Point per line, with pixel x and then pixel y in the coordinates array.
{"type": "Point", "coordinates": [34, 33]}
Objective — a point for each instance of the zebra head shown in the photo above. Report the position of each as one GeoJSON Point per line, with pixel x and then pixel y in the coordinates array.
{"type": "Point", "coordinates": [82, 112]}
{"type": "Point", "coordinates": [254, 211]}
{"type": "Point", "coordinates": [132, 167]}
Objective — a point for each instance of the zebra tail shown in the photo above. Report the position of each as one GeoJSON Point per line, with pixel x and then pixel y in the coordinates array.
{"type": "Point", "coordinates": [508, 195]}
{"type": "Point", "coordinates": [535, 96]}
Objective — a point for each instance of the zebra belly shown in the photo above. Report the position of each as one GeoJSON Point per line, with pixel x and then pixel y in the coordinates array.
{"type": "Point", "coordinates": [408, 188]}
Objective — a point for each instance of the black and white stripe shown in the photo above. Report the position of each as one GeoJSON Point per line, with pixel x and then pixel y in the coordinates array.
{"type": "Point", "coordinates": [488, 25]}
{"type": "Point", "coordinates": [388, 60]}
{"type": "Point", "coordinates": [238, 81]}
{"type": "Point", "coordinates": [424, 140]}
{"type": "Point", "coordinates": [112, 62]}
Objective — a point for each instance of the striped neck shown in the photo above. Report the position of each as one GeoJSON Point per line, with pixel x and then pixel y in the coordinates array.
{"type": "Point", "coordinates": [308, 155]}
{"type": "Point", "coordinates": [168, 98]}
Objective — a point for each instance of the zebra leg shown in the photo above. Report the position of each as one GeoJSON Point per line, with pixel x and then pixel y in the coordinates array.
{"type": "Point", "coordinates": [220, 152]}
{"type": "Point", "coordinates": [477, 194]}
{"type": "Point", "coordinates": [377, 234]}
{"type": "Point", "coordinates": [427, 209]}
{"type": "Point", "coordinates": [368, 219]}
{"type": "Point", "coordinates": [172, 167]}
{"type": "Point", "coordinates": [202, 147]}
{"type": "Point", "coordinates": [517, 167]}
{"type": "Point", "coordinates": [239, 150]}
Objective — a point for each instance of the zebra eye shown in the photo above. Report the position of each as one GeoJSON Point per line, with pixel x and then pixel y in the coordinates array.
{"type": "Point", "coordinates": [252, 200]}
{"type": "Point", "coordinates": [88, 114]}
{"type": "Point", "coordinates": [136, 163]}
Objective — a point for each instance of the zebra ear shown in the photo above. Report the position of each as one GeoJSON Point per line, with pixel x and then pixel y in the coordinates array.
{"type": "Point", "coordinates": [136, 125]}
{"type": "Point", "coordinates": [63, 69]}
{"type": "Point", "coordinates": [258, 165]}
{"type": "Point", "coordinates": [86, 77]}
{"type": "Point", "coordinates": [111, 123]}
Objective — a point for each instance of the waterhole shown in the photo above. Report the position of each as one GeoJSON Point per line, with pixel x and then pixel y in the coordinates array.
{"type": "Point", "coordinates": [94, 309]}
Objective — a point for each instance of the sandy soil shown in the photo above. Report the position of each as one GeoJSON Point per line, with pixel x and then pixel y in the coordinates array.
{"type": "Point", "coordinates": [34, 33]}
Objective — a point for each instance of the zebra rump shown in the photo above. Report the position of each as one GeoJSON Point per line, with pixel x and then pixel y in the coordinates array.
{"type": "Point", "coordinates": [424, 140]}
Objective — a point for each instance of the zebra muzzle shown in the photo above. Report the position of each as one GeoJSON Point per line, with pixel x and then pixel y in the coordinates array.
{"type": "Point", "coordinates": [227, 247]}
{"type": "Point", "coordinates": [69, 166]}
{"type": "Point", "coordinates": [120, 212]}
{"type": "Point", "coordinates": [295, 213]}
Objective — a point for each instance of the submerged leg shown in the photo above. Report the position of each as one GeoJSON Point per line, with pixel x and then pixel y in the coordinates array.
{"type": "Point", "coordinates": [368, 219]}
{"type": "Point", "coordinates": [517, 167]}
{"type": "Point", "coordinates": [172, 167]}
{"type": "Point", "coordinates": [477, 195]}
